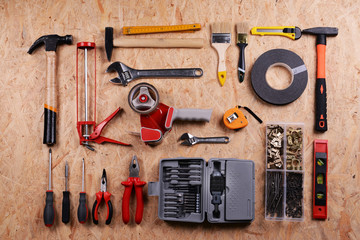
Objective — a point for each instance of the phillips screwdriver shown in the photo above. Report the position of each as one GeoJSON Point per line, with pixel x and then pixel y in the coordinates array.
{"type": "Point", "coordinates": [49, 211]}
{"type": "Point", "coordinates": [82, 209]}
{"type": "Point", "coordinates": [66, 198]}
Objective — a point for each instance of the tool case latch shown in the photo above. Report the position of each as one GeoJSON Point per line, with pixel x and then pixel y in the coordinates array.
{"type": "Point", "coordinates": [154, 188]}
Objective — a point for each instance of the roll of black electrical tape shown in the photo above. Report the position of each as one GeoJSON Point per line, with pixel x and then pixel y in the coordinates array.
{"type": "Point", "coordinates": [284, 58]}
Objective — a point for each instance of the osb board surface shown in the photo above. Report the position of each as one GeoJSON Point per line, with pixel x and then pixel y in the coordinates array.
{"type": "Point", "coordinates": [23, 157]}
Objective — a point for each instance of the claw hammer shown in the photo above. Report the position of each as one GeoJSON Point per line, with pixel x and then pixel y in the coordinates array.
{"type": "Point", "coordinates": [320, 88]}
{"type": "Point", "coordinates": [51, 42]}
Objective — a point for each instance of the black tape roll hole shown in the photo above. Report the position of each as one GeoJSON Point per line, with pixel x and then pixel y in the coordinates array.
{"type": "Point", "coordinates": [284, 58]}
{"type": "Point", "coordinates": [279, 76]}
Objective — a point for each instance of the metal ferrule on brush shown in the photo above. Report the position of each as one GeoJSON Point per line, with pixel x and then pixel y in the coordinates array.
{"type": "Point", "coordinates": [221, 37]}
{"type": "Point", "coordinates": [242, 38]}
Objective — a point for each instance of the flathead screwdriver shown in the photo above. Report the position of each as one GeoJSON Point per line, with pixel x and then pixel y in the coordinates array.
{"type": "Point", "coordinates": [49, 211]}
{"type": "Point", "coordinates": [66, 198]}
{"type": "Point", "coordinates": [82, 209]}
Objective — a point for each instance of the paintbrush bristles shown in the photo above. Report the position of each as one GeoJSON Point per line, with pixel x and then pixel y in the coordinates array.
{"type": "Point", "coordinates": [242, 28]}
{"type": "Point", "coordinates": [221, 27]}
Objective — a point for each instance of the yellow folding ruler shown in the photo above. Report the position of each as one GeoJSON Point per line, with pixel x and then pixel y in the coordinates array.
{"type": "Point", "coordinates": [160, 29]}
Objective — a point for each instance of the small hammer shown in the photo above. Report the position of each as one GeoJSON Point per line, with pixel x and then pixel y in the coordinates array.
{"type": "Point", "coordinates": [320, 89]}
{"type": "Point", "coordinates": [51, 42]}
{"type": "Point", "coordinates": [110, 43]}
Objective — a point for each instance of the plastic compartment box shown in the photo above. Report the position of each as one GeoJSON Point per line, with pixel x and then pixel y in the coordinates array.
{"type": "Point", "coordinates": [189, 189]}
{"type": "Point", "coordinates": [284, 165]}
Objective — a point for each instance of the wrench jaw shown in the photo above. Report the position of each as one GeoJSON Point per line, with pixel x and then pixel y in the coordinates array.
{"type": "Point", "coordinates": [188, 139]}
{"type": "Point", "coordinates": [126, 74]}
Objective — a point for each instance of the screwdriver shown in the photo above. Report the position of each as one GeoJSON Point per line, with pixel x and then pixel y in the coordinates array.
{"type": "Point", "coordinates": [82, 210]}
{"type": "Point", "coordinates": [66, 198]}
{"type": "Point", "coordinates": [49, 211]}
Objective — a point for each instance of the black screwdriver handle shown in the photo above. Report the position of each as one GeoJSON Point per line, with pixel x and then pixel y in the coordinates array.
{"type": "Point", "coordinates": [241, 65]}
{"type": "Point", "coordinates": [321, 103]}
{"type": "Point", "coordinates": [66, 207]}
{"type": "Point", "coordinates": [82, 209]}
{"type": "Point", "coordinates": [49, 211]}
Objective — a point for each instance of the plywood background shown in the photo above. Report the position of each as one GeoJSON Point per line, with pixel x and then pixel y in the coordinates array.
{"type": "Point", "coordinates": [23, 157]}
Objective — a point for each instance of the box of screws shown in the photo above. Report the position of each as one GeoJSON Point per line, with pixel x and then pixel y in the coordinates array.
{"type": "Point", "coordinates": [189, 189]}
{"type": "Point", "coordinates": [284, 195]}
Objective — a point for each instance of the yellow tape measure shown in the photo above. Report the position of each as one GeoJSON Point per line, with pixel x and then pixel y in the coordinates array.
{"type": "Point", "coordinates": [160, 29]}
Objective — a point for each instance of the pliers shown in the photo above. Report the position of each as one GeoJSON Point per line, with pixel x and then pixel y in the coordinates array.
{"type": "Point", "coordinates": [102, 194]}
{"type": "Point", "coordinates": [133, 180]}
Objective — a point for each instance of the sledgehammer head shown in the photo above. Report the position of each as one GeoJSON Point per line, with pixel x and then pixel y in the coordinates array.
{"type": "Point", "coordinates": [51, 42]}
{"type": "Point", "coordinates": [322, 33]}
{"type": "Point", "coordinates": [109, 38]}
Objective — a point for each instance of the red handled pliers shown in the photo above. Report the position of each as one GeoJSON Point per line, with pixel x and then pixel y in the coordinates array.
{"type": "Point", "coordinates": [133, 180]}
{"type": "Point", "coordinates": [102, 194]}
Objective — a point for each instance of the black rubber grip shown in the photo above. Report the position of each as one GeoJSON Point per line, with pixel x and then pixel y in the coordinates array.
{"type": "Point", "coordinates": [49, 127]}
{"type": "Point", "coordinates": [108, 220]}
{"type": "Point", "coordinates": [95, 221]}
{"type": "Point", "coordinates": [66, 207]}
{"type": "Point", "coordinates": [241, 65]}
{"type": "Point", "coordinates": [82, 209]}
{"type": "Point", "coordinates": [321, 109]}
{"type": "Point", "coordinates": [49, 211]}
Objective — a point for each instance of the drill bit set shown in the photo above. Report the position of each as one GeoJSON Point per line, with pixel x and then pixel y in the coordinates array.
{"type": "Point", "coordinates": [284, 195]}
{"type": "Point", "coordinates": [190, 188]}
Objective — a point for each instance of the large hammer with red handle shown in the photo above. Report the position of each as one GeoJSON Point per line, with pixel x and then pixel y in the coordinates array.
{"type": "Point", "coordinates": [50, 107]}
{"type": "Point", "coordinates": [320, 89]}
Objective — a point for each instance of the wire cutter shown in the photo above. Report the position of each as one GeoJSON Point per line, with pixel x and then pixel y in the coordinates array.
{"type": "Point", "coordinates": [102, 194]}
{"type": "Point", "coordinates": [133, 180]}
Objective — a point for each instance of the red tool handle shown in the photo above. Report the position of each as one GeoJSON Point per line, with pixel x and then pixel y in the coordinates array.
{"type": "Point", "coordinates": [97, 202]}
{"type": "Point", "coordinates": [139, 199]}
{"type": "Point", "coordinates": [320, 90]}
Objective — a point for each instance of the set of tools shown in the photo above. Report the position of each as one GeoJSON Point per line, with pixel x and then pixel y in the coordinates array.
{"type": "Point", "coordinates": [184, 182]}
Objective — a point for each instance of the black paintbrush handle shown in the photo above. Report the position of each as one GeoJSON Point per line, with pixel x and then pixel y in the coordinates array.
{"type": "Point", "coordinates": [241, 65]}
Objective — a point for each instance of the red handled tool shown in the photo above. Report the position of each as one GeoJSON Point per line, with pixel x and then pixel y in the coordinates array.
{"type": "Point", "coordinates": [320, 89]}
{"type": "Point", "coordinates": [133, 180]}
{"type": "Point", "coordinates": [102, 194]}
{"type": "Point", "coordinates": [320, 179]}
{"type": "Point", "coordinates": [49, 211]}
{"type": "Point", "coordinates": [83, 127]}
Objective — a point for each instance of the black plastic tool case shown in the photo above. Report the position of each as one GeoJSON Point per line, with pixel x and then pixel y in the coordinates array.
{"type": "Point", "coordinates": [184, 190]}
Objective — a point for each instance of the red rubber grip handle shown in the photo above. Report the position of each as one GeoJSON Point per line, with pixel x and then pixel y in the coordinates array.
{"type": "Point", "coordinates": [139, 200]}
{"type": "Point", "coordinates": [126, 201]}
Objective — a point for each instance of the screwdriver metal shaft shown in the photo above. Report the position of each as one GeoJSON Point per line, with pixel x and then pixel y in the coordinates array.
{"type": "Point", "coordinates": [49, 210]}
{"type": "Point", "coordinates": [82, 209]}
{"type": "Point", "coordinates": [66, 198]}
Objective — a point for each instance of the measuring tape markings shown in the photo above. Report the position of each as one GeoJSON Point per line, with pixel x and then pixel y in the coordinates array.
{"type": "Point", "coordinates": [287, 59]}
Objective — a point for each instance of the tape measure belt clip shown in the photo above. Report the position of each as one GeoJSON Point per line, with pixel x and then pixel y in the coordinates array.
{"type": "Point", "coordinates": [287, 59]}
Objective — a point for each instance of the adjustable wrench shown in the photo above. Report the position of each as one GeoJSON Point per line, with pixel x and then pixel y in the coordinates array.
{"type": "Point", "coordinates": [127, 74]}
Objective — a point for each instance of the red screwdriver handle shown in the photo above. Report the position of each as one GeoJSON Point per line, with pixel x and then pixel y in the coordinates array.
{"type": "Point", "coordinates": [126, 200]}
{"type": "Point", "coordinates": [139, 200]}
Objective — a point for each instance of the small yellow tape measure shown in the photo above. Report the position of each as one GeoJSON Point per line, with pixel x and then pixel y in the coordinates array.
{"type": "Point", "coordinates": [160, 29]}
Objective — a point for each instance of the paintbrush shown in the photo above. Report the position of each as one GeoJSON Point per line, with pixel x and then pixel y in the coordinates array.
{"type": "Point", "coordinates": [241, 30]}
{"type": "Point", "coordinates": [220, 40]}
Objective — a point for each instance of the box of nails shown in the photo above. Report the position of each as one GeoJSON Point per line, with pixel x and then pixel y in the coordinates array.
{"type": "Point", "coordinates": [284, 180]}
{"type": "Point", "coordinates": [190, 189]}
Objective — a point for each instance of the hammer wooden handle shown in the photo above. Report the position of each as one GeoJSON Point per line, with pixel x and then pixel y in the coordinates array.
{"type": "Point", "coordinates": [50, 106]}
{"type": "Point", "coordinates": [160, 42]}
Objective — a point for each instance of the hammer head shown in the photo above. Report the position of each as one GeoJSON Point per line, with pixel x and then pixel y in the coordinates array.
{"type": "Point", "coordinates": [109, 41]}
{"type": "Point", "coordinates": [51, 42]}
{"type": "Point", "coordinates": [126, 74]}
{"type": "Point", "coordinates": [328, 31]}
